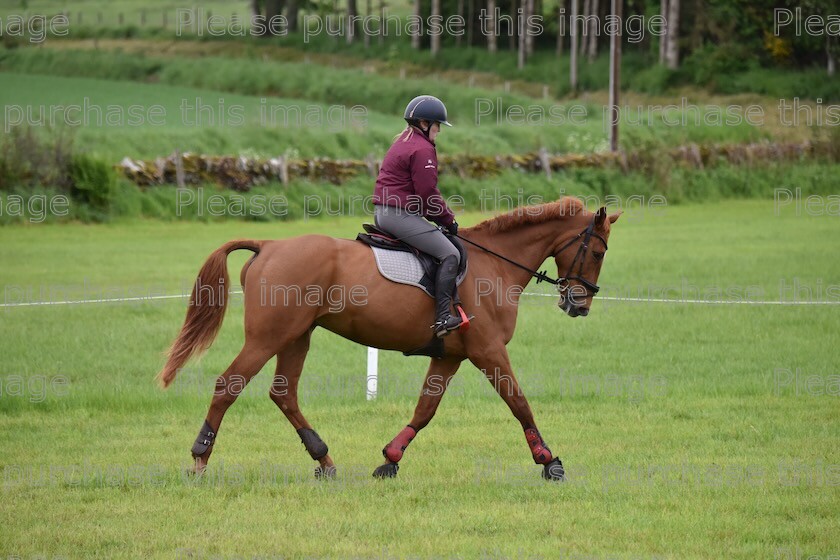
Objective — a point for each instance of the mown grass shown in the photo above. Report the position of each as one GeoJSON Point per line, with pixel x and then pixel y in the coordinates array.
{"type": "Point", "coordinates": [715, 460]}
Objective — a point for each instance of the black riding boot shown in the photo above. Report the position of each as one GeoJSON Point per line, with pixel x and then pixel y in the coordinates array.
{"type": "Point", "coordinates": [447, 273]}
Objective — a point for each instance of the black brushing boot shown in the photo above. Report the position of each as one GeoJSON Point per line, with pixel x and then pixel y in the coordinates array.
{"type": "Point", "coordinates": [447, 274]}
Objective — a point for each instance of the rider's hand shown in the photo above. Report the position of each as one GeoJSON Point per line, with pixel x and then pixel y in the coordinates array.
{"type": "Point", "coordinates": [452, 228]}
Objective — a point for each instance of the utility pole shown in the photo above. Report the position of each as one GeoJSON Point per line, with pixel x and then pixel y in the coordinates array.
{"type": "Point", "coordinates": [615, 74]}
{"type": "Point", "coordinates": [573, 50]}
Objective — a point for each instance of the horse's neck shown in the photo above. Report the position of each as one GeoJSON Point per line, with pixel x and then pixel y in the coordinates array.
{"type": "Point", "coordinates": [528, 245]}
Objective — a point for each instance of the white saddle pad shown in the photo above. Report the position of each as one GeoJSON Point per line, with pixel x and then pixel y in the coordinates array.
{"type": "Point", "coordinates": [403, 267]}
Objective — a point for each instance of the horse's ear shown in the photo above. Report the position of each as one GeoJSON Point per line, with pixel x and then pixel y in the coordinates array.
{"type": "Point", "coordinates": [600, 216]}
{"type": "Point", "coordinates": [614, 217]}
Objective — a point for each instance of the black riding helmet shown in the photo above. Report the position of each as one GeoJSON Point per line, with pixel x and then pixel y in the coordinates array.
{"type": "Point", "coordinates": [426, 108]}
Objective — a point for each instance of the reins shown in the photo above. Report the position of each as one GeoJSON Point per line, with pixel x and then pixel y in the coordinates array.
{"type": "Point", "coordinates": [542, 276]}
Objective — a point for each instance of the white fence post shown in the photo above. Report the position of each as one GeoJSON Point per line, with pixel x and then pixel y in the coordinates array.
{"type": "Point", "coordinates": [372, 372]}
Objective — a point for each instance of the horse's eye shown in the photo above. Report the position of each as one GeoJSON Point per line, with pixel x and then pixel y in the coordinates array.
{"type": "Point", "coordinates": [598, 256]}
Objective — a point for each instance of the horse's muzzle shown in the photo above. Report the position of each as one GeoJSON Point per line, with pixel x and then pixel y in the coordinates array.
{"type": "Point", "coordinates": [571, 309]}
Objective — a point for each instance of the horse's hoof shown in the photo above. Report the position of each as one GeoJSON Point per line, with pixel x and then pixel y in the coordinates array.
{"type": "Point", "coordinates": [553, 470]}
{"type": "Point", "coordinates": [388, 470]}
{"type": "Point", "coordinates": [325, 473]}
{"type": "Point", "coordinates": [197, 469]}
{"type": "Point", "coordinates": [194, 473]}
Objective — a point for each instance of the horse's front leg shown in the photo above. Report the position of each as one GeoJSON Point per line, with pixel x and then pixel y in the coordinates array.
{"type": "Point", "coordinates": [495, 364]}
{"type": "Point", "coordinates": [435, 384]}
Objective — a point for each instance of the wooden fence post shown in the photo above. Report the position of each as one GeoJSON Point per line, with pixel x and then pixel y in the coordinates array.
{"type": "Point", "coordinates": [179, 169]}
{"type": "Point", "coordinates": [284, 170]}
{"type": "Point", "coordinates": [545, 163]}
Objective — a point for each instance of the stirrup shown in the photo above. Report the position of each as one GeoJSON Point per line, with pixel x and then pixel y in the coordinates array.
{"type": "Point", "coordinates": [445, 326]}
{"type": "Point", "coordinates": [450, 323]}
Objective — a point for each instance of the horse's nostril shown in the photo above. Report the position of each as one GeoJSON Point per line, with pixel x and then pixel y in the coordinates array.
{"type": "Point", "coordinates": [584, 311]}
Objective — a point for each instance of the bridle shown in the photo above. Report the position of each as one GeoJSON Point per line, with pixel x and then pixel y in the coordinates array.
{"type": "Point", "coordinates": [562, 283]}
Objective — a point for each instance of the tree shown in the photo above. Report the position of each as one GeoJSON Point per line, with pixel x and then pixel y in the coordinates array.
{"type": "Point", "coordinates": [460, 13]}
{"type": "Point", "coordinates": [415, 36]}
{"type": "Point", "coordinates": [521, 20]}
{"type": "Point", "coordinates": [529, 37]}
{"type": "Point", "coordinates": [584, 31]}
{"type": "Point", "coordinates": [292, 11]}
{"type": "Point", "coordinates": [561, 30]}
{"type": "Point", "coordinates": [663, 39]}
{"type": "Point", "coordinates": [491, 26]}
{"type": "Point", "coordinates": [267, 9]}
{"type": "Point", "coordinates": [435, 36]}
{"type": "Point", "coordinates": [593, 33]}
{"type": "Point", "coordinates": [672, 50]}
{"type": "Point", "coordinates": [573, 49]}
{"type": "Point", "coordinates": [352, 13]}
{"type": "Point", "coordinates": [367, 14]}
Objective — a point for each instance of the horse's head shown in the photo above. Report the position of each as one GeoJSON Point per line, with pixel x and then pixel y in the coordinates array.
{"type": "Point", "coordinates": [579, 261]}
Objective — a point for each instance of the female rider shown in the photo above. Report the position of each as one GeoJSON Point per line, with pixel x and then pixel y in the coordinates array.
{"type": "Point", "coordinates": [406, 192]}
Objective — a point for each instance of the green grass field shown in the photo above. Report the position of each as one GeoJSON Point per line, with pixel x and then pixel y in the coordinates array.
{"type": "Point", "coordinates": [687, 430]}
{"type": "Point", "coordinates": [269, 106]}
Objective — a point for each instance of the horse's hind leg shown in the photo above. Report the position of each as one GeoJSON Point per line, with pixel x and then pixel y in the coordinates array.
{"type": "Point", "coordinates": [229, 385]}
{"type": "Point", "coordinates": [284, 394]}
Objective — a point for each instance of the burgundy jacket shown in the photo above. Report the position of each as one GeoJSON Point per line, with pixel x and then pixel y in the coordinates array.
{"type": "Point", "coordinates": [408, 178]}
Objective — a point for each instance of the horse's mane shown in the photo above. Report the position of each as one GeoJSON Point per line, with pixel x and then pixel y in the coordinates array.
{"type": "Point", "coordinates": [535, 214]}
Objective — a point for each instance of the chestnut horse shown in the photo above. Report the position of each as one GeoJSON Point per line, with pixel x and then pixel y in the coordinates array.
{"type": "Point", "coordinates": [504, 253]}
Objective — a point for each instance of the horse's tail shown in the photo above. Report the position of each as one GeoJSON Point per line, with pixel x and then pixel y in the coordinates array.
{"type": "Point", "coordinates": [206, 309]}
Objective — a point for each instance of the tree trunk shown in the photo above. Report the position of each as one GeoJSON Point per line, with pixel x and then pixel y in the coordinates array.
{"type": "Point", "coordinates": [663, 39]}
{"type": "Point", "coordinates": [470, 14]}
{"type": "Point", "coordinates": [293, 9]}
{"type": "Point", "coordinates": [520, 24]}
{"type": "Point", "coordinates": [415, 37]}
{"type": "Point", "coordinates": [699, 19]}
{"type": "Point", "coordinates": [672, 54]}
{"type": "Point", "coordinates": [381, 38]}
{"type": "Point", "coordinates": [561, 29]}
{"type": "Point", "coordinates": [529, 37]}
{"type": "Point", "coordinates": [435, 36]}
{"type": "Point", "coordinates": [352, 13]}
{"type": "Point", "coordinates": [256, 12]}
{"type": "Point", "coordinates": [273, 8]}
{"type": "Point", "coordinates": [460, 13]}
{"type": "Point", "coordinates": [491, 26]}
{"type": "Point", "coordinates": [367, 15]}
{"type": "Point", "coordinates": [829, 53]}
{"type": "Point", "coordinates": [513, 28]}
{"type": "Point", "coordinates": [584, 30]}
{"type": "Point", "coordinates": [593, 33]}
{"type": "Point", "coordinates": [573, 49]}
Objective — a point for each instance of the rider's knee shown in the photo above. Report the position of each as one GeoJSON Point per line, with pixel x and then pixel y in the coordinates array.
{"type": "Point", "coordinates": [452, 254]}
